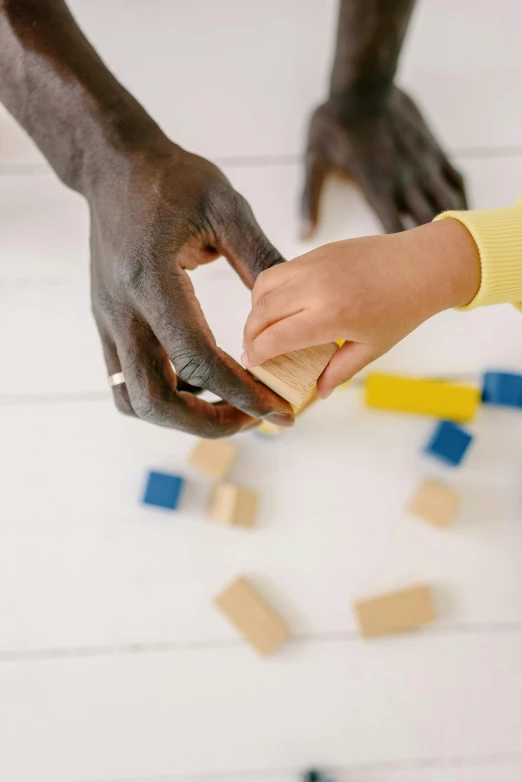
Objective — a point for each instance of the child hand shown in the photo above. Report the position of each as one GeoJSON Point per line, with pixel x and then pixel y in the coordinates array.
{"type": "Point", "coordinates": [371, 292]}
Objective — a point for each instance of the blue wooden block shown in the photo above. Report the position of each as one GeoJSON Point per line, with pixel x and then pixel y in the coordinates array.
{"type": "Point", "coordinates": [502, 388]}
{"type": "Point", "coordinates": [163, 490]}
{"type": "Point", "coordinates": [449, 442]}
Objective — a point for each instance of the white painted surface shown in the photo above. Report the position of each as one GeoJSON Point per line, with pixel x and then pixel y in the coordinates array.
{"type": "Point", "coordinates": [114, 666]}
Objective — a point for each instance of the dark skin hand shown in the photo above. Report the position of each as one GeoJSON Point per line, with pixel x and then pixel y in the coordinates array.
{"type": "Point", "coordinates": [167, 213]}
{"type": "Point", "coordinates": [373, 132]}
{"type": "Point", "coordinates": [156, 211]}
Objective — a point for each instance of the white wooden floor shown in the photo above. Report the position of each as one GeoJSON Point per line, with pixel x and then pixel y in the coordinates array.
{"type": "Point", "coordinates": [114, 666]}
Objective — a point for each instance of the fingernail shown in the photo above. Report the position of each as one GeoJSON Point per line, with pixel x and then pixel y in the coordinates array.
{"type": "Point", "coordinates": [280, 419]}
{"type": "Point", "coordinates": [328, 393]}
{"type": "Point", "coordinates": [244, 359]}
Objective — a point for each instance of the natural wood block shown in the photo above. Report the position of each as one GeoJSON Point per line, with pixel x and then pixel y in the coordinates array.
{"type": "Point", "coordinates": [254, 619]}
{"type": "Point", "coordinates": [268, 429]}
{"type": "Point", "coordinates": [435, 503]}
{"type": "Point", "coordinates": [294, 374]}
{"type": "Point", "coordinates": [213, 457]}
{"type": "Point", "coordinates": [233, 505]}
{"type": "Point", "coordinates": [438, 398]}
{"type": "Point", "coordinates": [394, 612]}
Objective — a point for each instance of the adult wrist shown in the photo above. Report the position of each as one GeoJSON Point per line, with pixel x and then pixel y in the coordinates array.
{"type": "Point", "coordinates": [113, 138]}
{"type": "Point", "coordinates": [361, 96]}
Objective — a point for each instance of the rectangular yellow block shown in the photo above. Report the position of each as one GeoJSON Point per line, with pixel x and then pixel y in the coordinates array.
{"type": "Point", "coordinates": [426, 397]}
{"type": "Point", "coordinates": [395, 612]}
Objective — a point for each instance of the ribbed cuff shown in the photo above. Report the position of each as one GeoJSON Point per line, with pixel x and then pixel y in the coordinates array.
{"type": "Point", "coordinates": [498, 236]}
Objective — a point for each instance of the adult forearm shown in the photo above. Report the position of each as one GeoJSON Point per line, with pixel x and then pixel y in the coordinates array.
{"type": "Point", "coordinates": [369, 39]}
{"type": "Point", "coordinates": [56, 86]}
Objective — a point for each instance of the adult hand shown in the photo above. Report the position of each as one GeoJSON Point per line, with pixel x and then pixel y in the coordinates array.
{"type": "Point", "coordinates": [153, 216]}
{"type": "Point", "coordinates": [389, 150]}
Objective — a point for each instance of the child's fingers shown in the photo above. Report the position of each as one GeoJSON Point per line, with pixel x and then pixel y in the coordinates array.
{"type": "Point", "coordinates": [279, 304]}
{"type": "Point", "coordinates": [293, 333]}
{"type": "Point", "coordinates": [270, 279]}
{"type": "Point", "coordinates": [349, 359]}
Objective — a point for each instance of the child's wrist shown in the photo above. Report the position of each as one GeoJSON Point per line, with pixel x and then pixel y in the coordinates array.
{"type": "Point", "coordinates": [451, 253]}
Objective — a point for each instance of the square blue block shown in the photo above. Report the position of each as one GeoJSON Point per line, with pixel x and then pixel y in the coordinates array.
{"type": "Point", "coordinates": [502, 388]}
{"type": "Point", "coordinates": [449, 442]}
{"type": "Point", "coordinates": [163, 490]}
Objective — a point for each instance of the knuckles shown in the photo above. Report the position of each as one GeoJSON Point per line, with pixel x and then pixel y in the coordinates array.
{"type": "Point", "coordinates": [130, 274]}
{"type": "Point", "coordinates": [194, 370]}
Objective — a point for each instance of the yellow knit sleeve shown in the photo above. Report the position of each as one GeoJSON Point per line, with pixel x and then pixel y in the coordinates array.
{"type": "Point", "coordinates": [498, 236]}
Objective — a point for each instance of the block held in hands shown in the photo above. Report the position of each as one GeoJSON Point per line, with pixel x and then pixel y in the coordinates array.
{"type": "Point", "coordinates": [293, 375]}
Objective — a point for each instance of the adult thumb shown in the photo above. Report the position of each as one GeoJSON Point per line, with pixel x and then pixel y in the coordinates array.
{"type": "Point", "coordinates": [244, 244]}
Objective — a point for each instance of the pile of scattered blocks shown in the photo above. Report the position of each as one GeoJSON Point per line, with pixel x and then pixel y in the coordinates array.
{"type": "Point", "coordinates": [293, 376]}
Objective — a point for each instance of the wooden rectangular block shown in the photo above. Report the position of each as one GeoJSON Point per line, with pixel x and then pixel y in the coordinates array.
{"type": "Point", "coordinates": [294, 374]}
{"type": "Point", "coordinates": [395, 612]}
{"type": "Point", "coordinates": [233, 505]}
{"type": "Point", "coordinates": [213, 457]}
{"type": "Point", "coordinates": [435, 503]}
{"type": "Point", "coordinates": [438, 398]}
{"type": "Point", "coordinates": [254, 619]}
{"type": "Point", "coordinates": [268, 429]}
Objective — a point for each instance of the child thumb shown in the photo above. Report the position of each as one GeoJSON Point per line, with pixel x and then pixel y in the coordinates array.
{"type": "Point", "coordinates": [349, 359]}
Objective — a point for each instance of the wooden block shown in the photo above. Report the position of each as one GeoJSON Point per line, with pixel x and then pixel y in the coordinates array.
{"type": "Point", "coordinates": [254, 619]}
{"type": "Point", "coordinates": [395, 612]}
{"type": "Point", "coordinates": [268, 429]}
{"type": "Point", "coordinates": [213, 457]}
{"type": "Point", "coordinates": [435, 503]}
{"type": "Point", "coordinates": [294, 374]}
{"type": "Point", "coordinates": [310, 399]}
{"type": "Point", "coordinates": [450, 401]}
{"type": "Point", "coordinates": [232, 505]}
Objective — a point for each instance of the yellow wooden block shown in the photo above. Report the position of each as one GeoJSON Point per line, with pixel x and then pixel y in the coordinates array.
{"type": "Point", "coordinates": [293, 375]}
{"type": "Point", "coordinates": [213, 457]}
{"type": "Point", "coordinates": [435, 503]}
{"type": "Point", "coordinates": [395, 612]}
{"type": "Point", "coordinates": [427, 397]}
{"type": "Point", "coordinates": [232, 505]}
{"type": "Point", "coordinates": [269, 429]}
{"type": "Point", "coordinates": [254, 619]}
{"type": "Point", "coordinates": [310, 399]}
